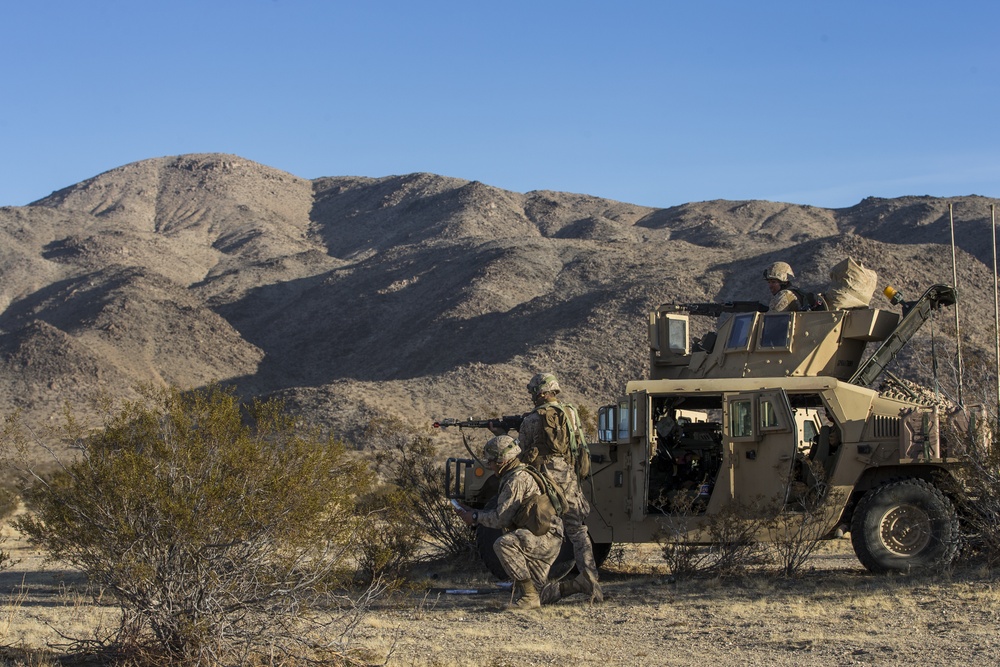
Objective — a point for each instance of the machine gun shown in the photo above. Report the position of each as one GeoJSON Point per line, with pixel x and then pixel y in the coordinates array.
{"type": "Point", "coordinates": [716, 309]}
{"type": "Point", "coordinates": [507, 422]}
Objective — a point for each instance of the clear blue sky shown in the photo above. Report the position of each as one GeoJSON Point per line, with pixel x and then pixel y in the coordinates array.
{"type": "Point", "coordinates": [650, 102]}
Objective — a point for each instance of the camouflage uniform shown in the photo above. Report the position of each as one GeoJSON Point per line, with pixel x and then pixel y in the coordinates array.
{"type": "Point", "coordinates": [523, 554]}
{"type": "Point", "coordinates": [784, 300]}
{"type": "Point", "coordinates": [561, 471]}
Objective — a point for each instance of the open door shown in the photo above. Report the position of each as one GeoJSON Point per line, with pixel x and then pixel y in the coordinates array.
{"type": "Point", "coordinates": [638, 449]}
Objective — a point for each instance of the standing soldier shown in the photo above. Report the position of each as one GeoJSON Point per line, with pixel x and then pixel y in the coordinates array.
{"type": "Point", "coordinates": [779, 278]}
{"type": "Point", "coordinates": [525, 556]}
{"type": "Point", "coordinates": [552, 441]}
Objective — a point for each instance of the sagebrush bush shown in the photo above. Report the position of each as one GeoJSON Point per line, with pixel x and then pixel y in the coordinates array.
{"type": "Point", "coordinates": [9, 500]}
{"type": "Point", "coordinates": [219, 528]}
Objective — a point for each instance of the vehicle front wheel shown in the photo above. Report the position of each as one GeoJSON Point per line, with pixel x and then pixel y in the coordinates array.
{"type": "Point", "coordinates": [905, 525]}
{"type": "Point", "coordinates": [565, 563]}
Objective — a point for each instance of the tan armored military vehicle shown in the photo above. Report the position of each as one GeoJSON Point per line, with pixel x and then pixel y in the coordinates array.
{"type": "Point", "coordinates": [774, 413]}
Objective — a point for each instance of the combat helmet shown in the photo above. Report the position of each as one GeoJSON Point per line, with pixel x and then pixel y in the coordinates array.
{"type": "Point", "coordinates": [780, 271]}
{"type": "Point", "coordinates": [501, 449]}
{"type": "Point", "coordinates": [543, 382]}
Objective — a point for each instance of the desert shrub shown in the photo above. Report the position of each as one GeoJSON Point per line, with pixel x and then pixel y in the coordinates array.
{"type": "Point", "coordinates": [224, 533]}
{"type": "Point", "coordinates": [975, 435]}
{"type": "Point", "coordinates": [388, 543]}
{"type": "Point", "coordinates": [8, 503]}
{"type": "Point", "coordinates": [589, 420]}
{"type": "Point", "coordinates": [726, 546]}
{"type": "Point", "coordinates": [416, 517]}
{"type": "Point", "coordinates": [795, 534]}
{"type": "Point", "coordinates": [9, 500]}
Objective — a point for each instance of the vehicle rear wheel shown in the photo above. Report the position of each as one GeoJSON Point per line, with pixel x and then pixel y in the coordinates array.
{"type": "Point", "coordinates": [903, 526]}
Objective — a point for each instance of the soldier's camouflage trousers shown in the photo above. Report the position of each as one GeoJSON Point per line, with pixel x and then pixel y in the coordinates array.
{"type": "Point", "coordinates": [560, 472]}
{"type": "Point", "coordinates": [525, 555]}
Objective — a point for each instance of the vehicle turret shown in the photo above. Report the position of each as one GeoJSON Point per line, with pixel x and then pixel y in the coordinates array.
{"type": "Point", "coordinates": [753, 344]}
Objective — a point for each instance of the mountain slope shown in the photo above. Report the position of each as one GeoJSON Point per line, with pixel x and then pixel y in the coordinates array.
{"type": "Point", "coordinates": [417, 295]}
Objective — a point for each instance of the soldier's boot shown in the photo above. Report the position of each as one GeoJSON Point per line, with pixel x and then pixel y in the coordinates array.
{"type": "Point", "coordinates": [589, 585]}
{"type": "Point", "coordinates": [525, 596]}
{"type": "Point", "coordinates": [567, 588]}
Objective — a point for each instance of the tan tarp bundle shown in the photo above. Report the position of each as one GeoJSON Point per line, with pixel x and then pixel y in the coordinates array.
{"type": "Point", "coordinates": [852, 286]}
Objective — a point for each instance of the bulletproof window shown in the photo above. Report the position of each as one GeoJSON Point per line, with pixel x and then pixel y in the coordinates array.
{"type": "Point", "coordinates": [809, 430]}
{"type": "Point", "coordinates": [768, 418]}
{"type": "Point", "coordinates": [606, 424]}
{"type": "Point", "coordinates": [739, 335]}
{"type": "Point", "coordinates": [774, 412]}
{"type": "Point", "coordinates": [623, 419]}
{"type": "Point", "coordinates": [741, 418]}
{"type": "Point", "coordinates": [677, 338]}
{"type": "Point", "coordinates": [776, 332]}
{"type": "Point", "coordinates": [639, 405]}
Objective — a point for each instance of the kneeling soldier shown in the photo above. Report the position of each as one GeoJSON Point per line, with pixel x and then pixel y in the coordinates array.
{"type": "Point", "coordinates": [525, 557]}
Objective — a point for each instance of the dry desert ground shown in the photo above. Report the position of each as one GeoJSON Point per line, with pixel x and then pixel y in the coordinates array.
{"type": "Point", "coordinates": [835, 613]}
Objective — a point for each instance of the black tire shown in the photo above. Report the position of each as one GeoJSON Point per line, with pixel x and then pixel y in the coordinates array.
{"type": "Point", "coordinates": [906, 525]}
{"type": "Point", "coordinates": [485, 537]}
{"type": "Point", "coordinates": [565, 563]}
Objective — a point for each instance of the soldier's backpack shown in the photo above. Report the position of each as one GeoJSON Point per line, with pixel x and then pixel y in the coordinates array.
{"type": "Point", "coordinates": [563, 438]}
{"type": "Point", "coordinates": [540, 511]}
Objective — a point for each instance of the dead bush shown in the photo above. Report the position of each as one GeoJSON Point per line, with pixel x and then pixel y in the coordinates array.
{"type": "Point", "coordinates": [977, 435]}
{"type": "Point", "coordinates": [795, 533]}
{"type": "Point", "coordinates": [725, 545]}
{"type": "Point", "coordinates": [417, 519]}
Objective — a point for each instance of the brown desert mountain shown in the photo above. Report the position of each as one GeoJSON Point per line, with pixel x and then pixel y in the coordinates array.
{"type": "Point", "coordinates": [416, 296]}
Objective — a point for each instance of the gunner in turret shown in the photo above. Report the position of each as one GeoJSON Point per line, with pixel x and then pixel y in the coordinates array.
{"type": "Point", "coordinates": [779, 278]}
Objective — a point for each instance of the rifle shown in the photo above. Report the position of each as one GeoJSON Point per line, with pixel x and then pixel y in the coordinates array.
{"type": "Point", "coordinates": [716, 309]}
{"type": "Point", "coordinates": [507, 422]}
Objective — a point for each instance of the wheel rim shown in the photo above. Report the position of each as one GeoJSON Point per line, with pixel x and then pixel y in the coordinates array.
{"type": "Point", "coordinates": [905, 530]}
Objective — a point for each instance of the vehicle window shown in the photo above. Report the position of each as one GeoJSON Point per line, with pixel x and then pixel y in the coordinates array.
{"type": "Point", "coordinates": [775, 333]}
{"type": "Point", "coordinates": [606, 424]}
{"type": "Point", "coordinates": [678, 336]}
{"type": "Point", "coordinates": [809, 430]}
{"type": "Point", "coordinates": [741, 419]}
{"type": "Point", "coordinates": [739, 336]}
{"type": "Point", "coordinates": [768, 418]}
{"type": "Point", "coordinates": [623, 420]}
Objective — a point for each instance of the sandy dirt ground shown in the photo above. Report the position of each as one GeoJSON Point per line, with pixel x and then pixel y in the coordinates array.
{"type": "Point", "coordinates": [834, 614]}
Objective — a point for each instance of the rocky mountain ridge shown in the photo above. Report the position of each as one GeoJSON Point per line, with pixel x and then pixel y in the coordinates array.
{"type": "Point", "coordinates": [417, 296]}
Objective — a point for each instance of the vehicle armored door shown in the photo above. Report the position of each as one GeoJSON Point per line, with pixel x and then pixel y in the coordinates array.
{"type": "Point", "coordinates": [638, 429]}
{"type": "Point", "coordinates": [762, 440]}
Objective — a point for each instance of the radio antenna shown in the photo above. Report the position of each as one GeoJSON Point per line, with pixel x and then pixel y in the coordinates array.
{"type": "Point", "coordinates": [958, 329]}
{"type": "Point", "coordinates": [996, 300]}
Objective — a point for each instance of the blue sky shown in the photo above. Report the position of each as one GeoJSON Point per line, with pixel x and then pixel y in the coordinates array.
{"type": "Point", "coordinates": [650, 102]}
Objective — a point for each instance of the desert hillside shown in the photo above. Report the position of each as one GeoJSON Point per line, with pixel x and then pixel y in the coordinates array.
{"type": "Point", "coordinates": [416, 296]}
